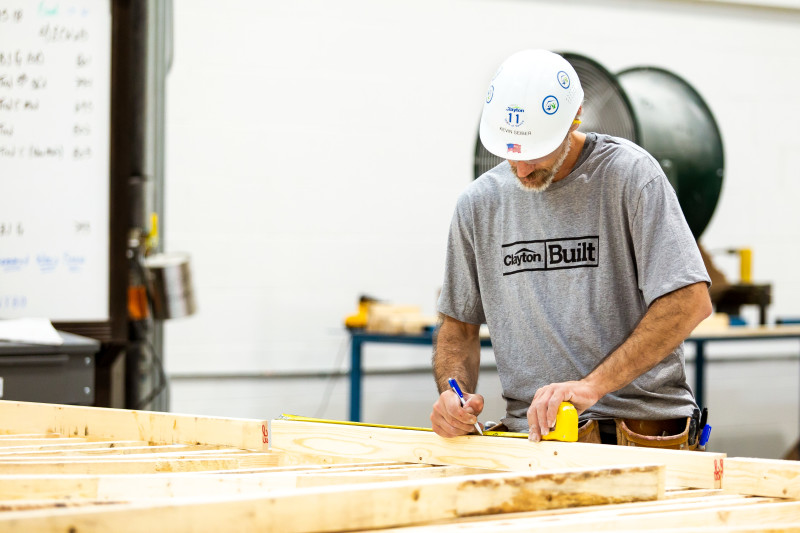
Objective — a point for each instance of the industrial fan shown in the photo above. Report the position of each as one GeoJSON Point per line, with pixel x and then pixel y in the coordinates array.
{"type": "Point", "coordinates": [678, 129]}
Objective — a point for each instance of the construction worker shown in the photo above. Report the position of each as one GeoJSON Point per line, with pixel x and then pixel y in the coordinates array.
{"type": "Point", "coordinates": [576, 254]}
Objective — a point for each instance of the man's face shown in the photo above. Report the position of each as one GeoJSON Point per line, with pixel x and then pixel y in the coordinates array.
{"type": "Point", "coordinates": [537, 174]}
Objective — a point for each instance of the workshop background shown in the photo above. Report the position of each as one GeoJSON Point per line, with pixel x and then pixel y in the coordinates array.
{"type": "Point", "coordinates": [315, 150]}
{"type": "Point", "coordinates": [253, 169]}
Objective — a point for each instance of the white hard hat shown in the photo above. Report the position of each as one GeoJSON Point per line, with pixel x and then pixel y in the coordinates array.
{"type": "Point", "coordinates": [530, 105]}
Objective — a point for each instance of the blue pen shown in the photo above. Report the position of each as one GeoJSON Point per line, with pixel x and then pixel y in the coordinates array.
{"type": "Point", "coordinates": [454, 385]}
{"type": "Point", "coordinates": [705, 435]}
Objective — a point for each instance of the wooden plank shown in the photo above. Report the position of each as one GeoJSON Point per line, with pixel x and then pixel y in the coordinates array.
{"type": "Point", "coordinates": [27, 505]}
{"type": "Point", "coordinates": [168, 485]}
{"type": "Point", "coordinates": [692, 493]}
{"type": "Point", "coordinates": [301, 459]}
{"type": "Point", "coordinates": [364, 505]}
{"type": "Point", "coordinates": [295, 467]}
{"type": "Point", "coordinates": [754, 528]}
{"type": "Point", "coordinates": [189, 485]}
{"type": "Point", "coordinates": [761, 514]}
{"type": "Point", "coordinates": [147, 464]}
{"type": "Point", "coordinates": [173, 449]}
{"type": "Point", "coordinates": [689, 469]}
{"type": "Point", "coordinates": [83, 445]}
{"type": "Point", "coordinates": [27, 435]}
{"type": "Point", "coordinates": [604, 512]}
{"type": "Point", "coordinates": [321, 479]}
{"type": "Point", "coordinates": [35, 441]}
{"type": "Point", "coordinates": [762, 477]}
{"type": "Point", "coordinates": [687, 516]}
{"type": "Point", "coordinates": [119, 424]}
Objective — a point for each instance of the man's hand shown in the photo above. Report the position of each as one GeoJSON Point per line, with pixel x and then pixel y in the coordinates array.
{"type": "Point", "coordinates": [544, 408]}
{"type": "Point", "coordinates": [449, 419]}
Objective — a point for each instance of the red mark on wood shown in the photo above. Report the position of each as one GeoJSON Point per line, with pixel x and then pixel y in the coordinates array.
{"type": "Point", "coordinates": [265, 435]}
{"type": "Point", "coordinates": [718, 468]}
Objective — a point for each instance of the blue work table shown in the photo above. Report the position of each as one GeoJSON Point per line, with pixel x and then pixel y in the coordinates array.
{"type": "Point", "coordinates": [738, 333]}
{"type": "Point", "coordinates": [700, 339]}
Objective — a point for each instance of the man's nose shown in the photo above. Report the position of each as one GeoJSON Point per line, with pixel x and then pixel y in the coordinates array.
{"type": "Point", "coordinates": [524, 168]}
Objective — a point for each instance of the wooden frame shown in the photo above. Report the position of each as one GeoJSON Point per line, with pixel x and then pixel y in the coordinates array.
{"type": "Point", "coordinates": [94, 469]}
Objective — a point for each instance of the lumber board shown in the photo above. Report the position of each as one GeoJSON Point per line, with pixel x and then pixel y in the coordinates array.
{"type": "Point", "coordinates": [281, 466]}
{"type": "Point", "coordinates": [647, 516]}
{"type": "Point", "coordinates": [763, 477]}
{"type": "Point", "coordinates": [128, 465]}
{"type": "Point", "coordinates": [27, 505]}
{"type": "Point", "coordinates": [153, 486]}
{"type": "Point", "coordinates": [121, 487]}
{"type": "Point", "coordinates": [364, 505]}
{"type": "Point", "coordinates": [4, 436]}
{"type": "Point", "coordinates": [771, 528]}
{"type": "Point", "coordinates": [95, 451]}
{"type": "Point", "coordinates": [683, 468]}
{"type": "Point", "coordinates": [319, 479]}
{"type": "Point", "coordinates": [34, 441]}
{"type": "Point", "coordinates": [591, 512]}
{"type": "Point", "coordinates": [691, 493]}
{"type": "Point", "coordinates": [759, 514]}
{"type": "Point", "coordinates": [121, 424]}
{"type": "Point", "coordinates": [66, 448]}
{"type": "Point", "coordinates": [287, 458]}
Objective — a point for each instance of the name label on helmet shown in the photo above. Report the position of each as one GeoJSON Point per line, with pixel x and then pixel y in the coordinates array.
{"type": "Point", "coordinates": [515, 132]}
{"type": "Point", "coordinates": [551, 254]}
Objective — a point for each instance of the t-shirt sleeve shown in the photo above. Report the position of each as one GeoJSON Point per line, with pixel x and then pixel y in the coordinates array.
{"type": "Point", "coordinates": [667, 256]}
{"type": "Point", "coordinates": [461, 297]}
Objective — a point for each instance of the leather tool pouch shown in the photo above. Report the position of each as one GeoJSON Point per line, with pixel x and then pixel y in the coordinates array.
{"type": "Point", "coordinates": [589, 431]}
{"type": "Point", "coordinates": [670, 434]}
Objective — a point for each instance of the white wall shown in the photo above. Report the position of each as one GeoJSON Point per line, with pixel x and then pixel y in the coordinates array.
{"type": "Point", "coordinates": [315, 150]}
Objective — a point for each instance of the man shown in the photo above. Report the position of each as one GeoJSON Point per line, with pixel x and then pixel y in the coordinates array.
{"type": "Point", "coordinates": [576, 254]}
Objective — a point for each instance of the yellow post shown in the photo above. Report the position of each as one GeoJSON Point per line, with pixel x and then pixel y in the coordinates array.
{"type": "Point", "coordinates": [746, 265]}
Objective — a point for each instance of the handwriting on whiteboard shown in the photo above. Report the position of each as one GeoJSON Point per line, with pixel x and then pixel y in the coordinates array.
{"type": "Point", "coordinates": [55, 114]}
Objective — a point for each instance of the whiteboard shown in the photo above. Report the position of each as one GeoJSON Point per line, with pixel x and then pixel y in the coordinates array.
{"type": "Point", "coordinates": [55, 107]}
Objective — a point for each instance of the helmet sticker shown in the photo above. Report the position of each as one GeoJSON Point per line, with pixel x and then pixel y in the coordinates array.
{"type": "Point", "coordinates": [515, 116]}
{"type": "Point", "coordinates": [550, 104]}
{"type": "Point", "coordinates": [490, 94]}
{"type": "Point", "coordinates": [514, 148]}
{"type": "Point", "coordinates": [563, 79]}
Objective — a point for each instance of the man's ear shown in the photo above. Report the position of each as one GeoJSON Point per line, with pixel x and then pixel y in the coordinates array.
{"type": "Point", "coordinates": [577, 122]}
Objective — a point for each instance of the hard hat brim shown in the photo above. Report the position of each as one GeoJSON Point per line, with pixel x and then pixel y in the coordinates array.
{"type": "Point", "coordinates": [528, 150]}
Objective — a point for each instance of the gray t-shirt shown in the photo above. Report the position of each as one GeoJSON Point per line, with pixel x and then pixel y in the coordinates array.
{"type": "Point", "coordinates": [562, 277]}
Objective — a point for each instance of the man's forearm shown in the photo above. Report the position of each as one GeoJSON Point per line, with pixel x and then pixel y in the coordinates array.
{"type": "Point", "coordinates": [668, 321]}
{"type": "Point", "coordinates": [456, 354]}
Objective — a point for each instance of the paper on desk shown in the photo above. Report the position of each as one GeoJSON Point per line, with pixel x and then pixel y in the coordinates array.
{"type": "Point", "coordinates": [30, 331]}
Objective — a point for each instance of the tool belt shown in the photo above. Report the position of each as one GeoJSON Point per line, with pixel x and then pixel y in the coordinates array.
{"type": "Point", "coordinates": [671, 434]}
